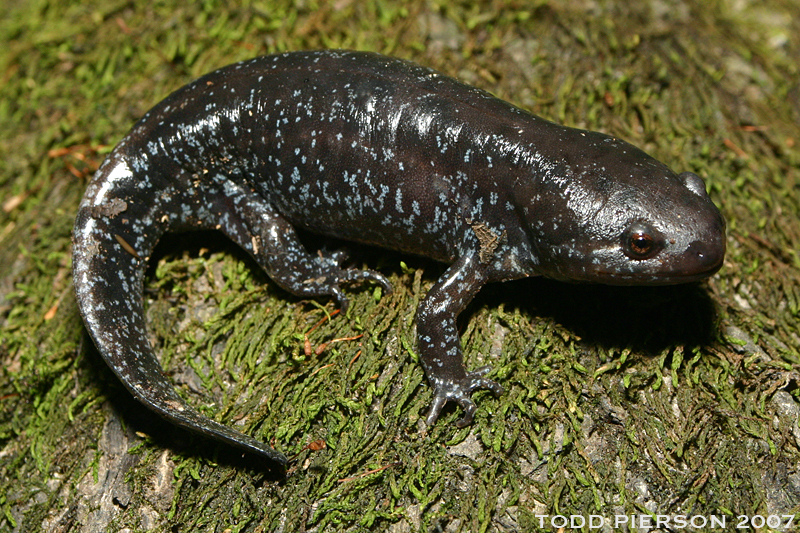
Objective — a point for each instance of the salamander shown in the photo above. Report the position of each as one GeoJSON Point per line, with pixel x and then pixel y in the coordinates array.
{"type": "Point", "coordinates": [381, 151]}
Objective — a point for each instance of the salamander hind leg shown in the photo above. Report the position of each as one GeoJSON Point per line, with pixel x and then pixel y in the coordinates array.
{"type": "Point", "coordinates": [440, 346]}
{"type": "Point", "coordinates": [261, 230]}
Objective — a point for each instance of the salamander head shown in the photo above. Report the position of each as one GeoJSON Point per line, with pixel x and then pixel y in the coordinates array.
{"type": "Point", "coordinates": [628, 220]}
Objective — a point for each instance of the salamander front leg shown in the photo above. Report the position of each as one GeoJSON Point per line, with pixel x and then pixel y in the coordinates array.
{"type": "Point", "coordinates": [440, 346]}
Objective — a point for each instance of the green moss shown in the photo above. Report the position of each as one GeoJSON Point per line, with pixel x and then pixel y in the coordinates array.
{"type": "Point", "coordinates": [607, 391]}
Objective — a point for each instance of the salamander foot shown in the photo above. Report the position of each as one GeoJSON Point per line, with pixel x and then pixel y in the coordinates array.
{"type": "Point", "coordinates": [460, 392]}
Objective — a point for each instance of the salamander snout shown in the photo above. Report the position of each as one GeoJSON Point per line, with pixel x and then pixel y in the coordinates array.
{"type": "Point", "coordinates": [703, 258]}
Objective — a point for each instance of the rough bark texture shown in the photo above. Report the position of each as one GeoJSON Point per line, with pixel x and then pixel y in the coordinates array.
{"type": "Point", "coordinates": [669, 401]}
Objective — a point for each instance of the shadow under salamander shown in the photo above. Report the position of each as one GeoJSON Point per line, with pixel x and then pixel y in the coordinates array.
{"type": "Point", "coordinates": [645, 319]}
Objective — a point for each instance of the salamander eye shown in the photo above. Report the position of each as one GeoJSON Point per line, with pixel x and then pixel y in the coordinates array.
{"type": "Point", "coordinates": [641, 242]}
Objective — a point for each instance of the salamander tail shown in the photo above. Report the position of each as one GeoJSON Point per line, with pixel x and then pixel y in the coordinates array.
{"type": "Point", "coordinates": [108, 273]}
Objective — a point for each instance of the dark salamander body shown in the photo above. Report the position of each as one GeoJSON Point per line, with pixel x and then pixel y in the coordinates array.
{"type": "Point", "coordinates": [379, 151]}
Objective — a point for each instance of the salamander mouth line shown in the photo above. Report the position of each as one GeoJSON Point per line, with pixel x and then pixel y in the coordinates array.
{"type": "Point", "coordinates": [673, 278]}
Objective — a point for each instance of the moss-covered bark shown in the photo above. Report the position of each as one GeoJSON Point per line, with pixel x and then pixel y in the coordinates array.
{"type": "Point", "coordinates": [618, 401]}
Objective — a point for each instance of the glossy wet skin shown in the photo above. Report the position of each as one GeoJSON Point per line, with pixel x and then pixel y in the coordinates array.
{"type": "Point", "coordinates": [381, 151]}
{"type": "Point", "coordinates": [619, 217]}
